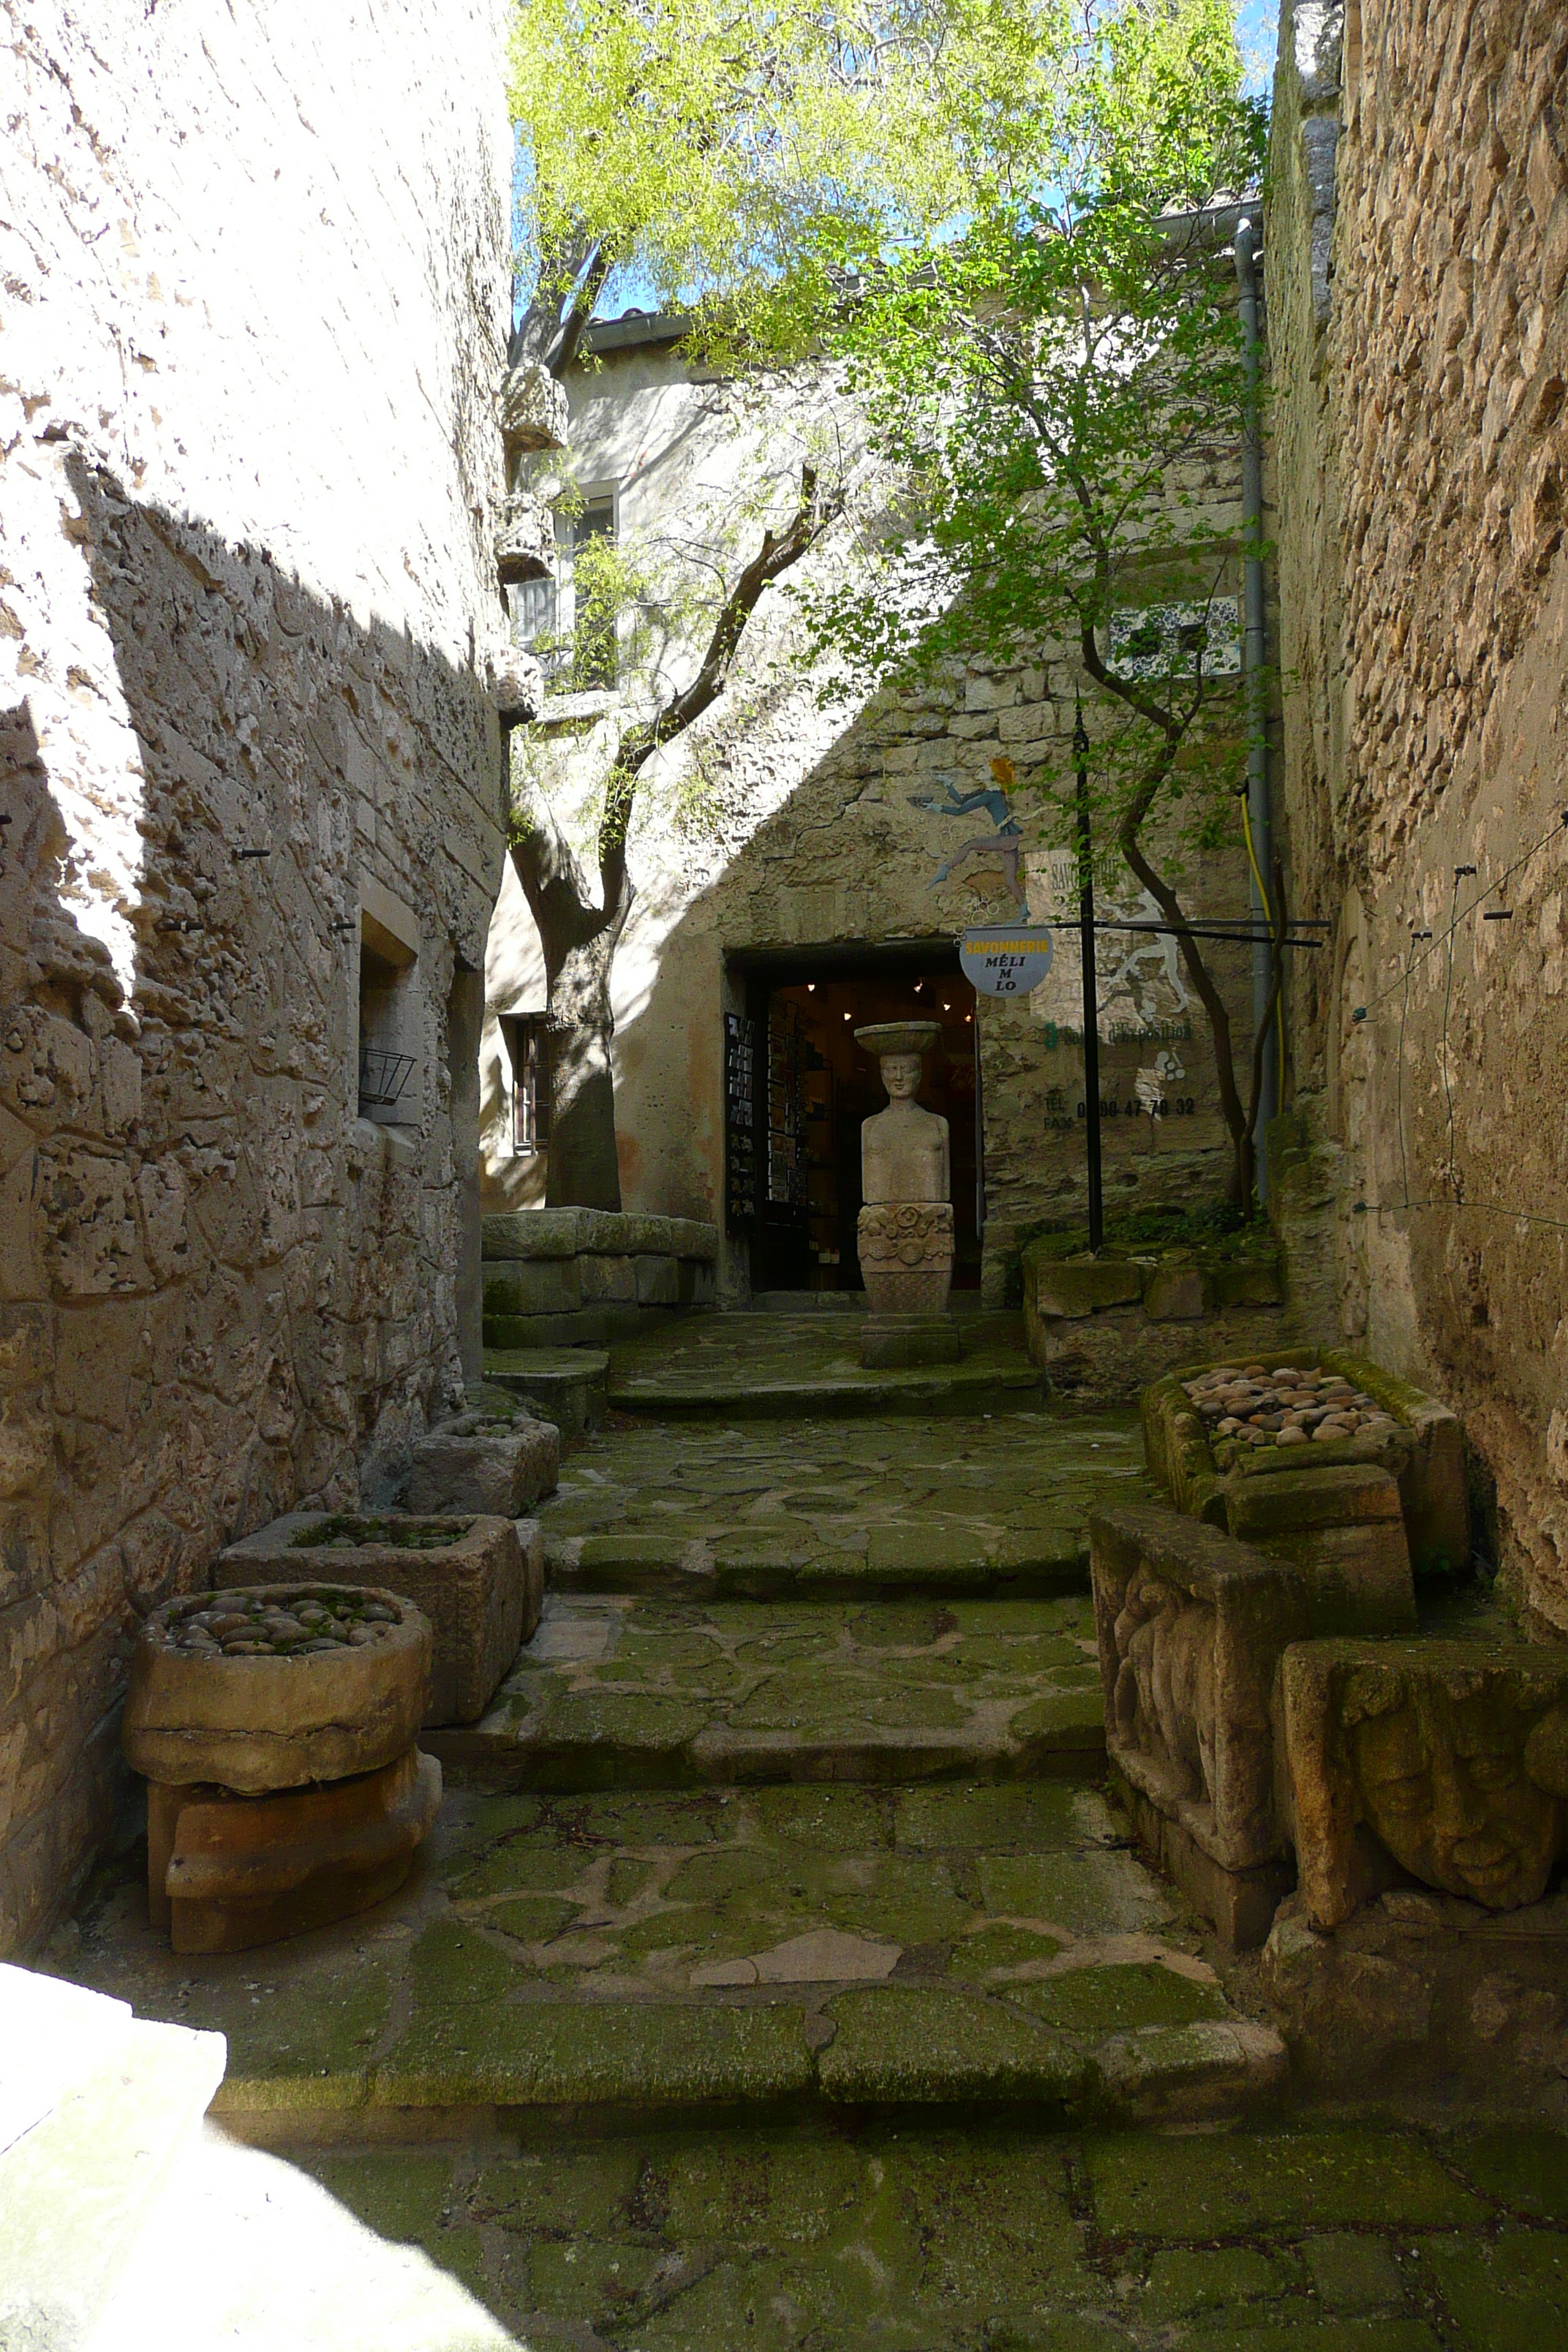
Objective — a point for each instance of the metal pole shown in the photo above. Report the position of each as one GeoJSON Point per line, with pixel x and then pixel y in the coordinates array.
{"type": "Point", "coordinates": [1091, 997]}
{"type": "Point", "coordinates": [1256, 656]}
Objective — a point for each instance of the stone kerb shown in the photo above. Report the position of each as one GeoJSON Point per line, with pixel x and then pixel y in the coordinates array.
{"type": "Point", "coordinates": [1097, 1327]}
{"type": "Point", "coordinates": [1348, 1507]}
{"type": "Point", "coordinates": [480, 1581]}
{"type": "Point", "coordinates": [1191, 1627]}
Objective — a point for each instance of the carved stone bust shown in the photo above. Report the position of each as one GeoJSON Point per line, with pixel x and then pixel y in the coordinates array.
{"type": "Point", "coordinates": [904, 1151]}
{"type": "Point", "coordinates": [1455, 1758]}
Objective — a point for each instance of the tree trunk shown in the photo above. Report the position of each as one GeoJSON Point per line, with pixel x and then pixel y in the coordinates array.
{"type": "Point", "coordinates": [582, 1171]}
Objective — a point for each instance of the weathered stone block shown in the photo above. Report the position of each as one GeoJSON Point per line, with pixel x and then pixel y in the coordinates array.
{"type": "Point", "coordinates": [227, 1871]}
{"type": "Point", "coordinates": [534, 410]}
{"type": "Point", "coordinates": [565, 1385]}
{"type": "Point", "coordinates": [1452, 1757]}
{"type": "Point", "coordinates": [659, 1282]}
{"type": "Point", "coordinates": [1342, 1526]}
{"type": "Point", "coordinates": [525, 544]}
{"type": "Point", "coordinates": [1073, 1287]}
{"type": "Point", "coordinates": [479, 1461]}
{"type": "Point", "coordinates": [469, 1576]}
{"type": "Point", "coordinates": [1177, 1294]}
{"type": "Point", "coordinates": [606, 1280]}
{"type": "Point", "coordinates": [548, 1285]}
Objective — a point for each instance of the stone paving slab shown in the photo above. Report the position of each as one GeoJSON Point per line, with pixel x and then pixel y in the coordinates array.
{"type": "Point", "coordinates": [998, 1503]}
{"type": "Point", "coordinates": [859, 1948]}
{"type": "Point", "coordinates": [761, 1367]}
{"type": "Point", "coordinates": [616, 1691]}
{"type": "Point", "coordinates": [826, 2239]}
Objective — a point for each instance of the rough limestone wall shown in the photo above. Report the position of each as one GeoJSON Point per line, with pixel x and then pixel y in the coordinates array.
{"type": "Point", "coordinates": [1422, 445]}
{"type": "Point", "coordinates": [811, 834]}
{"type": "Point", "coordinates": [254, 291]}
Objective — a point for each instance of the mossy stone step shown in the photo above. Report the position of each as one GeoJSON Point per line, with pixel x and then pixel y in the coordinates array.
{"type": "Point", "coordinates": [829, 1947]}
{"type": "Point", "coordinates": [616, 1691]}
{"type": "Point", "coordinates": [771, 1367]}
{"type": "Point", "coordinates": [839, 2235]}
{"type": "Point", "coordinates": [963, 1506]}
{"type": "Point", "coordinates": [565, 1385]}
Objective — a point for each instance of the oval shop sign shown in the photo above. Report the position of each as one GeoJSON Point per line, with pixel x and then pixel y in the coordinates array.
{"type": "Point", "coordinates": [1006, 962]}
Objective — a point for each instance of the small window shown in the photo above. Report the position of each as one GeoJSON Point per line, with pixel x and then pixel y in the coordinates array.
{"type": "Point", "coordinates": [528, 1043]}
{"type": "Point", "coordinates": [575, 655]}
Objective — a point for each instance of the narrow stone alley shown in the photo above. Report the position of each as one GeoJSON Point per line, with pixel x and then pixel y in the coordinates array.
{"type": "Point", "coordinates": [779, 1973]}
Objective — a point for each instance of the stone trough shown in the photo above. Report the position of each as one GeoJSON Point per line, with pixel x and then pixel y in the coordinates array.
{"type": "Point", "coordinates": [479, 1580]}
{"type": "Point", "coordinates": [276, 1730]}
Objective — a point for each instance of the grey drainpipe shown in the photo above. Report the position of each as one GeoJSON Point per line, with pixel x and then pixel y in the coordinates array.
{"type": "Point", "coordinates": [1255, 657]}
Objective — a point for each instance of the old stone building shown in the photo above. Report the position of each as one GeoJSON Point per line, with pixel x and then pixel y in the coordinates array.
{"type": "Point", "coordinates": [1417, 244]}
{"type": "Point", "coordinates": [801, 868]}
{"type": "Point", "coordinates": [256, 286]}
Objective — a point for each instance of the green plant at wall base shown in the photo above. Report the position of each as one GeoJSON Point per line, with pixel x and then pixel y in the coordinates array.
{"type": "Point", "coordinates": [1060, 384]}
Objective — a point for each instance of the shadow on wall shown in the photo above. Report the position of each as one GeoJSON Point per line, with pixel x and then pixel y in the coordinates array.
{"type": "Point", "coordinates": [221, 1289]}
{"type": "Point", "coordinates": [843, 856]}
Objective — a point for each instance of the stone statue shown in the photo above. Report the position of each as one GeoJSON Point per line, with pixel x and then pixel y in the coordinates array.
{"type": "Point", "coordinates": [905, 1231]}
{"type": "Point", "coordinates": [1452, 1756]}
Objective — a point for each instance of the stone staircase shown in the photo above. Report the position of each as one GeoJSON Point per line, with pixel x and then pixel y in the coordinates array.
{"type": "Point", "coordinates": [790, 1810]}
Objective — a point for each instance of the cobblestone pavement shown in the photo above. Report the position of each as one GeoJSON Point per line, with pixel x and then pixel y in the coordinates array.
{"type": "Point", "coordinates": [649, 1691]}
{"type": "Point", "coordinates": [824, 2239]}
{"type": "Point", "coordinates": [799, 1943]}
{"type": "Point", "coordinates": [774, 1364]}
{"type": "Point", "coordinates": [1009, 1487]}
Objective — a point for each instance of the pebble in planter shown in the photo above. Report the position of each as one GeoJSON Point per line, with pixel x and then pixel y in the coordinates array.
{"type": "Point", "coordinates": [480, 1581]}
{"type": "Point", "coordinates": [276, 1730]}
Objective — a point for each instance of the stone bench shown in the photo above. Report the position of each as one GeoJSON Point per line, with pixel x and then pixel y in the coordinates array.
{"type": "Point", "coordinates": [578, 1277]}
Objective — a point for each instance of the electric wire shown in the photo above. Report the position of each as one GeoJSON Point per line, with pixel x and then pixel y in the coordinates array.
{"type": "Point", "coordinates": [1361, 1011]}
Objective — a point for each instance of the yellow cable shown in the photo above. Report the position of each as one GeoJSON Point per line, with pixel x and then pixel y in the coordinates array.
{"type": "Point", "coordinates": [1252, 861]}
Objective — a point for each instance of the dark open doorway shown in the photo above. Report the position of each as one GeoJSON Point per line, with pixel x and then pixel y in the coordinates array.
{"type": "Point", "coordinates": [814, 1088]}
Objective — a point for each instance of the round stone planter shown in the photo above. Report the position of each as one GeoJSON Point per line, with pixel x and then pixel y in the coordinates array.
{"type": "Point", "coordinates": [256, 1724]}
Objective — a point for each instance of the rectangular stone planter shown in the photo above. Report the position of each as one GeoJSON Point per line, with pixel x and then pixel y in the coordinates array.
{"type": "Point", "coordinates": [1333, 1512]}
{"type": "Point", "coordinates": [480, 1581]}
{"type": "Point", "coordinates": [1098, 1327]}
{"type": "Point", "coordinates": [496, 1462]}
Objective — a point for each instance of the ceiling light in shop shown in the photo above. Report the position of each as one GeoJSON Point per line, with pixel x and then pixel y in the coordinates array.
{"type": "Point", "coordinates": [811, 988]}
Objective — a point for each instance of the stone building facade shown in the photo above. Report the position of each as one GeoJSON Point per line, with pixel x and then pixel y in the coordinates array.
{"type": "Point", "coordinates": [1417, 247]}
{"type": "Point", "coordinates": [255, 297]}
{"type": "Point", "coordinates": [786, 859]}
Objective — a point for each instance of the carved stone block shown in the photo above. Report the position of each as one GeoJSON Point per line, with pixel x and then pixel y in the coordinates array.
{"type": "Point", "coordinates": [534, 411]}
{"type": "Point", "coordinates": [906, 1255]}
{"type": "Point", "coordinates": [1443, 1760]}
{"type": "Point", "coordinates": [1192, 1625]}
{"type": "Point", "coordinates": [525, 544]}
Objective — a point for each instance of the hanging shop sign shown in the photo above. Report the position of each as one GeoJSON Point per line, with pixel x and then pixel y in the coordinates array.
{"type": "Point", "coordinates": [1006, 962]}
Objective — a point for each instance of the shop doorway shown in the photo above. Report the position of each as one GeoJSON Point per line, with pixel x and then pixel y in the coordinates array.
{"type": "Point", "coordinates": [808, 1088]}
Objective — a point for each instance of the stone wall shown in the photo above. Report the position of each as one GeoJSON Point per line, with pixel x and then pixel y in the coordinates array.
{"type": "Point", "coordinates": [1416, 249]}
{"type": "Point", "coordinates": [255, 288]}
{"type": "Point", "coordinates": [783, 827]}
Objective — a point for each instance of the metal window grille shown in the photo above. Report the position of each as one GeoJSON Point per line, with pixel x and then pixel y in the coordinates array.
{"type": "Point", "coordinates": [530, 1089]}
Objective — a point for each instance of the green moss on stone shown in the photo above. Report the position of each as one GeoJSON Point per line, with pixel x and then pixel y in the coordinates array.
{"type": "Point", "coordinates": [1117, 1999]}
{"type": "Point", "coordinates": [1155, 2187]}
{"type": "Point", "coordinates": [898, 2044]}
